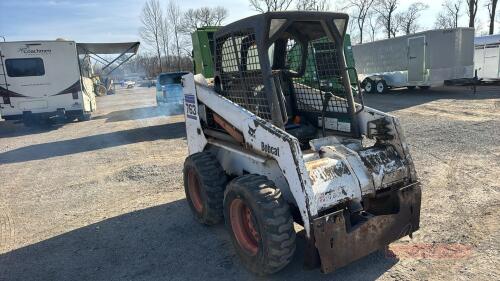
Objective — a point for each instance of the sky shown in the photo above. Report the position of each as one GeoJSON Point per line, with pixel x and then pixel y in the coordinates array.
{"type": "Point", "coordinates": [119, 20]}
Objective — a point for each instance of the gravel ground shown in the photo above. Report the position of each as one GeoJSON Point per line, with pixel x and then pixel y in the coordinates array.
{"type": "Point", "coordinates": [103, 199]}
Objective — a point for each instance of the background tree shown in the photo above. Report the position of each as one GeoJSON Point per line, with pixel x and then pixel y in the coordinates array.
{"type": "Point", "coordinates": [204, 16]}
{"type": "Point", "coordinates": [361, 10]}
{"type": "Point", "coordinates": [174, 19]}
{"type": "Point", "coordinates": [312, 5]}
{"type": "Point", "coordinates": [492, 7]}
{"type": "Point", "coordinates": [373, 24]}
{"type": "Point", "coordinates": [408, 20]}
{"type": "Point", "coordinates": [448, 17]}
{"type": "Point", "coordinates": [152, 22]}
{"type": "Point", "coordinates": [264, 6]}
{"type": "Point", "coordinates": [165, 41]}
{"type": "Point", "coordinates": [386, 10]}
{"type": "Point", "coordinates": [472, 11]}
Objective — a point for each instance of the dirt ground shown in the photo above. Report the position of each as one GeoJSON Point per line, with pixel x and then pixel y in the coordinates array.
{"type": "Point", "coordinates": [103, 199]}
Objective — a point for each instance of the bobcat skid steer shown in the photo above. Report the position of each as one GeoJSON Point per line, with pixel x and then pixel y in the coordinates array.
{"type": "Point", "coordinates": [275, 141]}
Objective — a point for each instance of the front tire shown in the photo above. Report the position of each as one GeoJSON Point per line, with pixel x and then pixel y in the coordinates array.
{"type": "Point", "coordinates": [368, 86]}
{"type": "Point", "coordinates": [260, 223]}
{"type": "Point", "coordinates": [204, 183]}
{"type": "Point", "coordinates": [84, 117]}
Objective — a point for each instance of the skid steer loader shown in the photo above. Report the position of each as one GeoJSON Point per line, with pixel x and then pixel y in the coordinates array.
{"type": "Point", "coordinates": [275, 141]}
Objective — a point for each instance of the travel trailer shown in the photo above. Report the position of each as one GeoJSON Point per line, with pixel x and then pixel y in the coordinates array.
{"type": "Point", "coordinates": [42, 80]}
{"type": "Point", "coordinates": [424, 59]}
{"type": "Point", "coordinates": [487, 57]}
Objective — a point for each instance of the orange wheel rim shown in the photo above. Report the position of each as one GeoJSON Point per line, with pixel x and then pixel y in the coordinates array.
{"type": "Point", "coordinates": [194, 191]}
{"type": "Point", "coordinates": [243, 226]}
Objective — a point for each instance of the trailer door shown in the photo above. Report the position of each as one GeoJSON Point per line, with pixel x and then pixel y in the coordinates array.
{"type": "Point", "coordinates": [416, 59]}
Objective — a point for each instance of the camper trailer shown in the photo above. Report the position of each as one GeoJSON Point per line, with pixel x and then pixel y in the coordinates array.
{"type": "Point", "coordinates": [487, 57]}
{"type": "Point", "coordinates": [423, 59]}
{"type": "Point", "coordinates": [40, 80]}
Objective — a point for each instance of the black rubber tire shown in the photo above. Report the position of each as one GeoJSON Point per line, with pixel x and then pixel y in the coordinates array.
{"type": "Point", "coordinates": [84, 117]}
{"type": "Point", "coordinates": [273, 220]}
{"type": "Point", "coordinates": [411, 88]}
{"type": "Point", "coordinates": [381, 87]}
{"type": "Point", "coordinates": [424, 87]}
{"type": "Point", "coordinates": [212, 180]}
{"type": "Point", "coordinates": [368, 86]}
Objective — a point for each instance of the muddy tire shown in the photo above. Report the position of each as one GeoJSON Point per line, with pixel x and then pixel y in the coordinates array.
{"type": "Point", "coordinates": [260, 223]}
{"type": "Point", "coordinates": [204, 183]}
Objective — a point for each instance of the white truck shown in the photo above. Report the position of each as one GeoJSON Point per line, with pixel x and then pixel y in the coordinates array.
{"type": "Point", "coordinates": [42, 80]}
{"type": "Point", "coordinates": [423, 59]}
{"type": "Point", "coordinates": [487, 57]}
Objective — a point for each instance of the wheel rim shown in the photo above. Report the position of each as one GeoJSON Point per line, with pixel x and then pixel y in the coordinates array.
{"type": "Point", "coordinates": [194, 191]}
{"type": "Point", "coordinates": [242, 224]}
{"type": "Point", "coordinates": [380, 87]}
{"type": "Point", "coordinates": [368, 87]}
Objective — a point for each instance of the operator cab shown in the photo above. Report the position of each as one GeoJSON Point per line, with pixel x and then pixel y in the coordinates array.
{"type": "Point", "coordinates": [289, 68]}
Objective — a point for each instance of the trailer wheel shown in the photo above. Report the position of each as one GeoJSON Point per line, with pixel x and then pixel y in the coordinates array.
{"type": "Point", "coordinates": [260, 223]}
{"type": "Point", "coordinates": [381, 86]}
{"type": "Point", "coordinates": [84, 117]}
{"type": "Point", "coordinates": [424, 87]}
{"type": "Point", "coordinates": [368, 86]}
{"type": "Point", "coordinates": [204, 183]}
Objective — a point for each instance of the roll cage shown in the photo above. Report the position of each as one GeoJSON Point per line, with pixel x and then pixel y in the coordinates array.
{"type": "Point", "coordinates": [289, 69]}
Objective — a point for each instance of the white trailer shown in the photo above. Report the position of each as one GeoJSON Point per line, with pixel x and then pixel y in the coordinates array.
{"type": "Point", "coordinates": [41, 80]}
{"type": "Point", "coordinates": [487, 57]}
{"type": "Point", "coordinates": [423, 59]}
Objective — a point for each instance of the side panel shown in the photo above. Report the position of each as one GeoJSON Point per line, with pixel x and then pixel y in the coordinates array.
{"type": "Point", "coordinates": [416, 59]}
{"type": "Point", "coordinates": [49, 90]}
{"type": "Point", "coordinates": [491, 62]}
{"type": "Point", "coordinates": [259, 136]}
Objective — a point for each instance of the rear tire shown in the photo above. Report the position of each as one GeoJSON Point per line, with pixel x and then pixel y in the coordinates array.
{"type": "Point", "coordinates": [380, 87]}
{"type": "Point", "coordinates": [260, 223]}
{"type": "Point", "coordinates": [424, 87]}
{"type": "Point", "coordinates": [204, 183]}
{"type": "Point", "coordinates": [410, 88]}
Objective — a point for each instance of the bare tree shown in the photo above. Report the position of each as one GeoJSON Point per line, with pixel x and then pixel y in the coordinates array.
{"type": "Point", "coordinates": [373, 25]}
{"type": "Point", "coordinates": [408, 20]}
{"type": "Point", "coordinates": [361, 10]}
{"type": "Point", "coordinates": [152, 21]}
{"type": "Point", "coordinates": [472, 11]}
{"type": "Point", "coordinates": [174, 19]}
{"type": "Point", "coordinates": [387, 13]}
{"type": "Point", "coordinates": [312, 5]}
{"type": "Point", "coordinates": [264, 6]}
{"type": "Point", "coordinates": [448, 17]}
{"type": "Point", "coordinates": [165, 41]}
{"type": "Point", "coordinates": [492, 7]}
{"type": "Point", "coordinates": [204, 16]}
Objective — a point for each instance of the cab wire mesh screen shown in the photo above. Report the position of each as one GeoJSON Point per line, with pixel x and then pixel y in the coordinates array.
{"type": "Point", "coordinates": [237, 62]}
{"type": "Point", "coordinates": [323, 74]}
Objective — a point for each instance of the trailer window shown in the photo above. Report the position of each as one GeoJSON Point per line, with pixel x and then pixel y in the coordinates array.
{"type": "Point", "coordinates": [25, 67]}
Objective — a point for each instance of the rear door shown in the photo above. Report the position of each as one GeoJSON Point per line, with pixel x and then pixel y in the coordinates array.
{"type": "Point", "coordinates": [416, 59]}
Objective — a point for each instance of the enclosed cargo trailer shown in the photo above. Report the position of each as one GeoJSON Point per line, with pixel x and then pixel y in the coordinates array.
{"type": "Point", "coordinates": [423, 59]}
